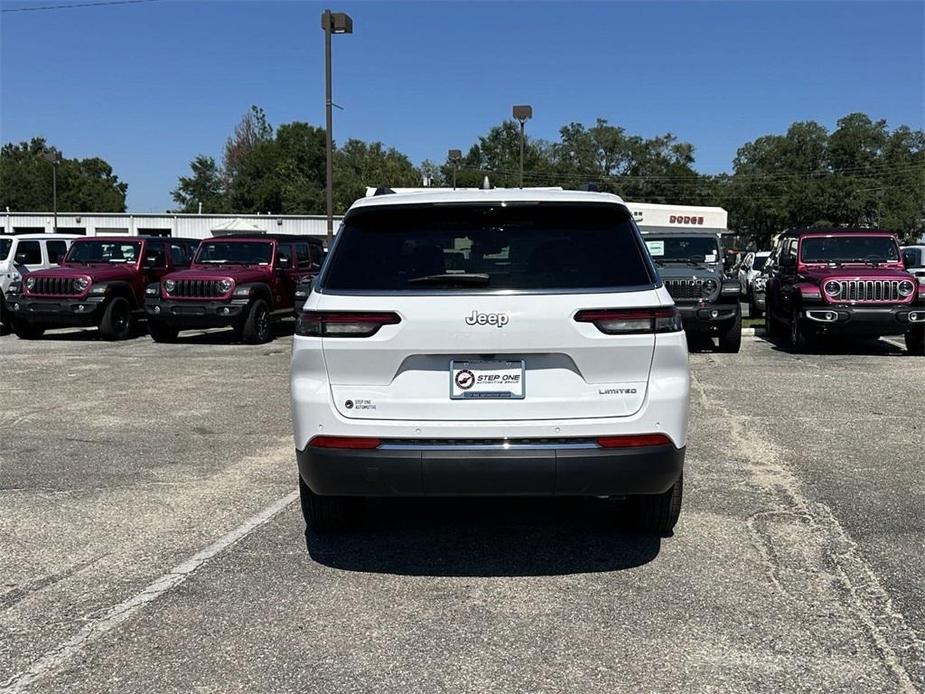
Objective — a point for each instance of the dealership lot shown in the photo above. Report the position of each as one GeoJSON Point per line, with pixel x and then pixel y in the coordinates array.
{"type": "Point", "coordinates": [797, 563]}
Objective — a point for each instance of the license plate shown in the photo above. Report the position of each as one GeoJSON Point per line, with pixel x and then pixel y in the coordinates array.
{"type": "Point", "coordinates": [487, 379]}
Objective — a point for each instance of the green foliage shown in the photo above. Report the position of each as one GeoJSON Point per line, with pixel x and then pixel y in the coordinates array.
{"type": "Point", "coordinates": [859, 175]}
{"type": "Point", "coordinates": [206, 186]}
{"type": "Point", "coordinates": [862, 173]}
{"type": "Point", "coordinates": [83, 184]}
{"type": "Point", "coordinates": [357, 165]}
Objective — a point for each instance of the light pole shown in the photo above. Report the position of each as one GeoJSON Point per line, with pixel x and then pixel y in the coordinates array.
{"type": "Point", "coordinates": [332, 23]}
{"type": "Point", "coordinates": [523, 113]}
{"type": "Point", "coordinates": [454, 156]}
{"type": "Point", "coordinates": [52, 156]}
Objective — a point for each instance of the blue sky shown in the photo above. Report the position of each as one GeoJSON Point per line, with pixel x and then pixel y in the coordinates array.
{"type": "Point", "coordinates": [148, 86]}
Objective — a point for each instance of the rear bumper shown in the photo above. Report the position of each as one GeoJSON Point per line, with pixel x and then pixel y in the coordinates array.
{"type": "Point", "coordinates": [57, 311]}
{"type": "Point", "coordinates": [196, 314]}
{"type": "Point", "coordinates": [547, 471]}
{"type": "Point", "coordinates": [864, 320]}
{"type": "Point", "coordinates": [708, 318]}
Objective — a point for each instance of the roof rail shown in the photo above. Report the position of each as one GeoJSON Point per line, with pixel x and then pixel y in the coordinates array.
{"type": "Point", "coordinates": [384, 190]}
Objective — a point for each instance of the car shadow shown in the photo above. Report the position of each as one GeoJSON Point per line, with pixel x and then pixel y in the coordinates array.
{"type": "Point", "coordinates": [842, 345]}
{"type": "Point", "coordinates": [486, 537]}
{"type": "Point", "coordinates": [700, 343]}
{"type": "Point", "coordinates": [78, 335]}
{"type": "Point", "coordinates": [227, 336]}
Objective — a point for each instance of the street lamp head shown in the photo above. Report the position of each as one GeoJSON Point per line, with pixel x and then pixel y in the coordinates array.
{"type": "Point", "coordinates": [52, 156]}
{"type": "Point", "coordinates": [336, 22]}
{"type": "Point", "coordinates": [454, 155]}
{"type": "Point", "coordinates": [523, 112]}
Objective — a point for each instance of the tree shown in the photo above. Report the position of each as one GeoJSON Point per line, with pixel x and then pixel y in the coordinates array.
{"type": "Point", "coordinates": [282, 175]}
{"type": "Point", "coordinates": [358, 165]}
{"type": "Point", "coordinates": [205, 186]}
{"type": "Point", "coordinates": [861, 174]}
{"type": "Point", "coordinates": [497, 155]}
{"type": "Point", "coordinates": [252, 130]}
{"type": "Point", "coordinates": [83, 184]}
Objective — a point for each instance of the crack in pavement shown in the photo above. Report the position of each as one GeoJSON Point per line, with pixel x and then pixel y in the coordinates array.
{"type": "Point", "coordinates": [807, 551]}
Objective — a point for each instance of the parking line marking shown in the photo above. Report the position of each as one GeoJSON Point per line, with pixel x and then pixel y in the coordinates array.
{"type": "Point", "coordinates": [118, 614]}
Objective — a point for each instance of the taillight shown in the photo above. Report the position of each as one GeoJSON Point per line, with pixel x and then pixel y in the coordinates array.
{"type": "Point", "coordinates": [343, 323]}
{"type": "Point", "coordinates": [356, 443]}
{"type": "Point", "coordinates": [632, 321]}
{"type": "Point", "coordinates": [633, 441]}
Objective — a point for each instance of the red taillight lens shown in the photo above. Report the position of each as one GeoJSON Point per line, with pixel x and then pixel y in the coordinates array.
{"type": "Point", "coordinates": [633, 441]}
{"type": "Point", "coordinates": [632, 321]}
{"type": "Point", "coordinates": [356, 443]}
{"type": "Point", "coordinates": [343, 323]}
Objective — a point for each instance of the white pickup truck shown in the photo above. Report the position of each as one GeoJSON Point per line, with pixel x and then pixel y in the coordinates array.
{"type": "Point", "coordinates": [914, 260]}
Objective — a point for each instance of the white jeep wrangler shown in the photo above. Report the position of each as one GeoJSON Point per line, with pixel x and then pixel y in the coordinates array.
{"type": "Point", "coordinates": [25, 253]}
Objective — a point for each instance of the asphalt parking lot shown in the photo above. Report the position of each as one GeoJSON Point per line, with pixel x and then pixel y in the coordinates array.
{"type": "Point", "coordinates": [150, 541]}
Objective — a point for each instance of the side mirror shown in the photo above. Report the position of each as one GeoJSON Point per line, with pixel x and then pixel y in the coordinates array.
{"type": "Point", "coordinates": [908, 259]}
{"type": "Point", "coordinates": [284, 263]}
{"type": "Point", "coordinates": [150, 262]}
{"type": "Point", "coordinates": [21, 258]}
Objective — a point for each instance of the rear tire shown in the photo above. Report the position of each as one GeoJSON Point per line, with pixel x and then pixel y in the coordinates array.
{"type": "Point", "coordinates": [329, 514]}
{"type": "Point", "coordinates": [116, 323]}
{"type": "Point", "coordinates": [257, 329]}
{"type": "Point", "coordinates": [160, 332]}
{"type": "Point", "coordinates": [731, 340]}
{"type": "Point", "coordinates": [658, 513]}
{"type": "Point", "coordinates": [25, 331]}
{"type": "Point", "coordinates": [4, 316]}
{"type": "Point", "coordinates": [772, 329]}
{"type": "Point", "coordinates": [915, 341]}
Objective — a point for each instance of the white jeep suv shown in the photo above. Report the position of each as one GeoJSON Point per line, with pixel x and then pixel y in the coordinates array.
{"type": "Point", "coordinates": [489, 342]}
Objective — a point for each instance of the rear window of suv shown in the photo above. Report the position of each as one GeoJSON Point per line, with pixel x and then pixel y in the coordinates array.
{"type": "Point", "coordinates": [487, 248]}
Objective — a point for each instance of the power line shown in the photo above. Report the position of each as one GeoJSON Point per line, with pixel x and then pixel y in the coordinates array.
{"type": "Point", "coordinates": [101, 3]}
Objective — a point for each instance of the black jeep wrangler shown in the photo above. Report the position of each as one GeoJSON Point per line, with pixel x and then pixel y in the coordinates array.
{"type": "Point", "coordinates": [690, 263]}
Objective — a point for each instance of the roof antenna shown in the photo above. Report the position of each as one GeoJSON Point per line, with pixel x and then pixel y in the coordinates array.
{"type": "Point", "coordinates": [486, 184]}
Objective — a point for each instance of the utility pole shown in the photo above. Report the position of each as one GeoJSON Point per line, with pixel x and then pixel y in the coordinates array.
{"type": "Point", "coordinates": [332, 23]}
{"type": "Point", "coordinates": [454, 156]}
{"type": "Point", "coordinates": [52, 156]}
{"type": "Point", "coordinates": [522, 113]}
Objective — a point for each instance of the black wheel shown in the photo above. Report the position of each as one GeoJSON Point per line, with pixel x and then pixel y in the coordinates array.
{"type": "Point", "coordinates": [327, 514]}
{"type": "Point", "coordinates": [802, 338]}
{"type": "Point", "coordinates": [161, 332]}
{"type": "Point", "coordinates": [731, 340]}
{"type": "Point", "coordinates": [4, 317]}
{"type": "Point", "coordinates": [915, 341]}
{"type": "Point", "coordinates": [116, 323]}
{"type": "Point", "coordinates": [772, 328]}
{"type": "Point", "coordinates": [26, 331]}
{"type": "Point", "coordinates": [657, 513]}
{"type": "Point", "coordinates": [257, 328]}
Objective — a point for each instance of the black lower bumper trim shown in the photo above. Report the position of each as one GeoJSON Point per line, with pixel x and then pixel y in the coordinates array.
{"type": "Point", "coordinates": [185, 314]}
{"type": "Point", "coordinates": [863, 320]}
{"type": "Point", "coordinates": [708, 318]}
{"type": "Point", "coordinates": [58, 312]}
{"type": "Point", "coordinates": [542, 472]}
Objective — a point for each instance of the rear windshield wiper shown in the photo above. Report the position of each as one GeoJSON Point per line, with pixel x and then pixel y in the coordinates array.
{"type": "Point", "coordinates": [477, 279]}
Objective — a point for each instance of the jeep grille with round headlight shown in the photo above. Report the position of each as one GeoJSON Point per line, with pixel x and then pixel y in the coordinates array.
{"type": "Point", "coordinates": [870, 291]}
{"type": "Point", "coordinates": [169, 286]}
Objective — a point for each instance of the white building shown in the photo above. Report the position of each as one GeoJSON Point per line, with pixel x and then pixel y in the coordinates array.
{"type": "Point", "coordinates": [196, 226]}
